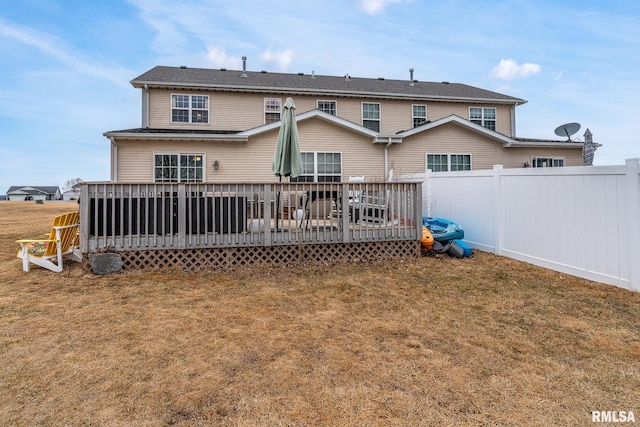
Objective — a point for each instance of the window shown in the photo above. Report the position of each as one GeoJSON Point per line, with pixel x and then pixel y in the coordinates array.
{"type": "Point", "coordinates": [438, 162]}
{"type": "Point", "coordinates": [460, 162]}
{"type": "Point", "coordinates": [547, 162]}
{"type": "Point", "coordinates": [328, 107]}
{"type": "Point", "coordinates": [419, 113]}
{"type": "Point", "coordinates": [485, 117]}
{"type": "Point", "coordinates": [189, 108]}
{"type": "Point", "coordinates": [320, 167]}
{"type": "Point", "coordinates": [178, 168]}
{"type": "Point", "coordinates": [448, 162]}
{"type": "Point", "coordinates": [371, 116]}
{"type": "Point", "coordinates": [272, 110]}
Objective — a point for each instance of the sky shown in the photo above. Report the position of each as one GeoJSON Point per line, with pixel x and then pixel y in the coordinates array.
{"type": "Point", "coordinates": [66, 65]}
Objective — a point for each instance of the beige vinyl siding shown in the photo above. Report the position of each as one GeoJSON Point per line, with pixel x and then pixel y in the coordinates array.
{"type": "Point", "coordinates": [409, 157]}
{"type": "Point", "coordinates": [517, 156]}
{"type": "Point", "coordinates": [242, 111]}
{"type": "Point", "coordinates": [359, 155]}
{"type": "Point", "coordinates": [251, 161]}
{"type": "Point", "coordinates": [438, 110]}
{"type": "Point", "coordinates": [227, 111]}
{"type": "Point", "coordinates": [135, 161]}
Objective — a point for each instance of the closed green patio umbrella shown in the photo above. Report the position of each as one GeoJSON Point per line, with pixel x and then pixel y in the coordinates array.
{"type": "Point", "coordinates": [287, 160]}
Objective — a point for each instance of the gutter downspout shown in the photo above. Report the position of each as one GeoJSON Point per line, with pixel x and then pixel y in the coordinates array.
{"type": "Point", "coordinates": [114, 160]}
{"type": "Point", "coordinates": [386, 160]}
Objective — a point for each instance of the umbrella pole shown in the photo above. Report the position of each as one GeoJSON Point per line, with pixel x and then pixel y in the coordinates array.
{"type": "Point", "coordinates": [278, 204]}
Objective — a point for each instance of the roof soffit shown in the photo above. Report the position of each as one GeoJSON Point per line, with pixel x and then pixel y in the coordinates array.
{"type": "Point", "coordinates": [177, 136]}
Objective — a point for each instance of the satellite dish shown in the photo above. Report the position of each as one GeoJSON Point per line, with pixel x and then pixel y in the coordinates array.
{"type": "Point", "coordinates": [567, 130]}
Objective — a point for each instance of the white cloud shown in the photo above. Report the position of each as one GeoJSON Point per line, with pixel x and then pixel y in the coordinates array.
{"type": "Point", "coordinates": [62, 52]}
{"type": "Point", "coordinates": [508, 69]}
{"type": "Point", "coordinates": [281, 59]}
{"type": "Point", "coordinates": [219, 58]}
{"type": "Point", "coordinates": [374, 6]}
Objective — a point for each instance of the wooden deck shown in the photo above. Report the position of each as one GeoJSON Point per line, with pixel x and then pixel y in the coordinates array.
{"type": "Point", "coordinates": [138, 218]}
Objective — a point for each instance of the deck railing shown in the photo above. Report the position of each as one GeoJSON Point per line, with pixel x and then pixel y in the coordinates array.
{"type": "Point", "coordinates": [122, 217]}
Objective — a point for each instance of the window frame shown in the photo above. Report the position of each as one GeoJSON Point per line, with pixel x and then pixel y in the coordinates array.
{"type": "Point", "coordinates": [314, 176]}
{"type": "Point", "coordinates": [328, 101]}
{"type": "Point", "coordinates": [180, 169]}
{"type": "Point", "coordinates": [270, 110]}
{"type": "Point", "coordinates": [414, 117]}
{"type": "Point", "coordinates": [483, 120]}
{"type": "Point", "coordinates": [554, 162]}
{"type": "Point", "coordinates": [189, 110]}
{"type": "Point", "coordinates": [449, 161]}
{"type": "Point", "coordinates": [371, 120]}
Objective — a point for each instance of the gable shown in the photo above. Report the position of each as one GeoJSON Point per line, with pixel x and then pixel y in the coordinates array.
{"type": "Point", "coordinates": [317, 115]}
{"type": "Point", "coordinates": [462, 124]}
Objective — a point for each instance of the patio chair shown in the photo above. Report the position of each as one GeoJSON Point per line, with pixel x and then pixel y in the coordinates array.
{"type": "Point", "coordinates": [354, 198]}
{"type": "Point", "coordinates": [61, 243]}
{"type": "Point", "coordinates": [373, 208]}
{"type": "Point", "coordinates": [376, 208]}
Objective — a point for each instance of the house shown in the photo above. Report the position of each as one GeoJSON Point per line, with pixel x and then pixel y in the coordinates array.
{"type": "Point", "coordinates": [22, 193]}
{"type": "Point", "coordinates": [71, 194]}
{"type": "Point", "coordinates": [219, 125]}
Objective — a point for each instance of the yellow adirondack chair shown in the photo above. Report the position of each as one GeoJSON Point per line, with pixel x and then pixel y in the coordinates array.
{"type": "Point", "coordinates": [61, 243]}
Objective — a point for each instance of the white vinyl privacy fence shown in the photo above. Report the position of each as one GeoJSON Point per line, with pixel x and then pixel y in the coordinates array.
{"type": "Point", "coordinates": [583, 221]}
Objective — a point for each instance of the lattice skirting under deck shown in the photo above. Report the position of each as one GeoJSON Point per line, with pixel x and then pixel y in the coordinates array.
{"type": "Point", "coordinates": [231, 258]}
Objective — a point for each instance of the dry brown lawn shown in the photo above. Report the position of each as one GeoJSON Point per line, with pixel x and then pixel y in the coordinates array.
{"type": "Point", "coordinates": [430, 342]}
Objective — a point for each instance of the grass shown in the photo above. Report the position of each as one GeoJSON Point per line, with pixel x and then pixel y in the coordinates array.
{"type": "Point", "coordinates": [435, 341]}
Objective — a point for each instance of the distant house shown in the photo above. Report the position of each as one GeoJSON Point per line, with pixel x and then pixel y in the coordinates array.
{"type": "Point", "coordinates": [22, 193]}
{"type": "Point", "coordinates": [215, 125]}
{"type": "Point", "coordinates": [71, 195]}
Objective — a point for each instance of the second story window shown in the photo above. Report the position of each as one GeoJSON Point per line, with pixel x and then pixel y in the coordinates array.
{"type": "Point", "coordinates": [189, 108]}
{"type": "Point", "coordinates": [328, 107]}
{"type": "Point", "coordinates": [371, 116]}
{"type": "Point", "coordinates": [485, 117]}
{"type": "Point", "coordinates": [272, 110]}
{"type": "Point", "coordinates": [419, 114]}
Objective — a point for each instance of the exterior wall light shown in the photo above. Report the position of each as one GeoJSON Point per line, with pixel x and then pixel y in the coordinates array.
{"type": "Point", "coordinates": [216, 165]}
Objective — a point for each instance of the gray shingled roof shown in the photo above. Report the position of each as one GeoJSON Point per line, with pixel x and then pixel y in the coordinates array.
{"type": "Point", "coordinates": [175, 131]}
{"type": "Point", "coordinates": [261, 81]}
{"type": "Point", "coordinates": [46, 190]}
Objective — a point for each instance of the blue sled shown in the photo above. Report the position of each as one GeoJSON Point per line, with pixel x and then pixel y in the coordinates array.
{"type": "Point", "coordinates": [443, 230]}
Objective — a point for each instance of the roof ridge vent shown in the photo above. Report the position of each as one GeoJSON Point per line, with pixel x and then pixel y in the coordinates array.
{"type": "Point", "coordinates": [223, 69]}
{"type": "Point", "coordinates": [183, 67]}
